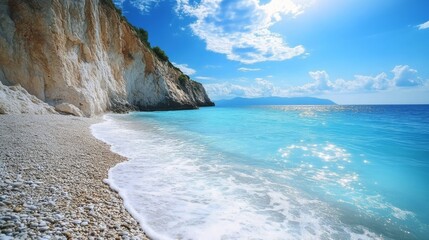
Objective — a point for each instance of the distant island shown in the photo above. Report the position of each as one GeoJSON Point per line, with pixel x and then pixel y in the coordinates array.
{"type": "Point", "coordinates": [239, 101]}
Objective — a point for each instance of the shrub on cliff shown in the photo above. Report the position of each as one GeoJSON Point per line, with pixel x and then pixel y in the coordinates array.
{"type": "Point", "coordinates": [140, 32]}
{"type": "Point", "coordinates": [160, 53]}
{"type": "Point", "coordinates": [111, 4]}
{"type": "Point", "coordinates": [143, 35]}
{"type": "Point", "coordinates": [183, 78]}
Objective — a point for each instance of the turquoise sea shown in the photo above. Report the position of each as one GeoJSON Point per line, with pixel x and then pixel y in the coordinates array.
{"type": "Point", "coordinates": [274, 172]}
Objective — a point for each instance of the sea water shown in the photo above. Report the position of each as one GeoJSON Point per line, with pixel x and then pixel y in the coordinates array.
{"type": "Point", "coordinates": [274, 172]}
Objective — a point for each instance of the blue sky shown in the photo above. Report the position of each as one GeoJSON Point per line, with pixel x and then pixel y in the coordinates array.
{"type": "Point", "coordinates": [350, 51]}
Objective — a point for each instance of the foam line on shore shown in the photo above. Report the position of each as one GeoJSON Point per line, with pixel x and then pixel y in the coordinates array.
{"type": "Point", "coordinates": [149, 231]}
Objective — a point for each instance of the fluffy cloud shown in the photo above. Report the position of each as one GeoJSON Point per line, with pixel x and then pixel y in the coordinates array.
{"type": "Point", "coordinates": [119, 2]}
{"type": "Point", "coordinates": [143, 5]}
{"type": "Point", "coordinates": [185, 68]}
{"type": "Point", "coordinates": [405, 77]}
{"type": "Point", "coordinates": [402, 77]}
{"type": "Point", "coordinates": [266, 88]}
{"type": "Point", "coordinates": [321, 81]}
{"type": "Point", "coordinates": [259, 88]}
{"type": "Point", "coordinates": [238, 29]}
{"type": "Point", "coordinates": [243, 69]}
{"type": "Point", "coordinates": [203, 78]}
{"type": "Point", "coordinates": [218, 91]}
{"type": "Point", "coordinates": [241, 29]}
{"type": "Point", "coordinates": [423, 25]}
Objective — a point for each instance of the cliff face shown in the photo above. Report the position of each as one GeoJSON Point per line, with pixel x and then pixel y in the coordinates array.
{"type": "Point", "coordinates": [82, 53]}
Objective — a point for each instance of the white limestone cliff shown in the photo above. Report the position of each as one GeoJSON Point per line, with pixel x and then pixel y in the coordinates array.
{"type": "Point", "coordinates": [82, 53]}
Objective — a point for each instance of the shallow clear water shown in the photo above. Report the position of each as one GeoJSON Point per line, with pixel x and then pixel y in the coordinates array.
{"type": "Point", "coordinates": [275, 172]}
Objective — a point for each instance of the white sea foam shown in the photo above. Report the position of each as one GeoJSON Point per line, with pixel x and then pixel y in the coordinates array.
{"type": "Point", "coordinates": [179, 189]}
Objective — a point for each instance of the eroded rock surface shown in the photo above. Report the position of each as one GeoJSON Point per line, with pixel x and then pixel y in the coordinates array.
{"type": "Point", "coordinates": [16, 100]}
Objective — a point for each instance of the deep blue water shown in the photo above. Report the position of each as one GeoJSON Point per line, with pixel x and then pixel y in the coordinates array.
{"type": "Point", "coordinates": [275, 172]}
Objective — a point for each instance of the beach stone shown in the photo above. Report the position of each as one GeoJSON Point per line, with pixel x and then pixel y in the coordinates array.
{"type": "Point", "coordinates": [44, 228]}
{"type": "Point", "coordinates": [6, 218]}
{"type": "Point", "coordinates": [42, 224]}
{"type": "Point", "coordinates": [31, 207]}
{"type": "Point", "coordinates": [68, 108]}
{"type": "Point", "coordinates": [18, 209]}
{"type": "Point", "coordinates": [17, 184]}
{"type": "Point", "coordinates": [77, 222]}
{"type": "Point", "coordinates": [22, 235]}
{"type": "Point", "coordinates": [14, 217]}
{"type": "Point", "coordinates": [92, 213]}
{"type": "Point", "coordinates": [7, 225]}
{"type": "Point", "coordinates": [6, 231]}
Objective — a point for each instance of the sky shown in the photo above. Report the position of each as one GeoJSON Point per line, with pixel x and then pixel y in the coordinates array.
{"type": "Point", "coordinates": [349, 51]}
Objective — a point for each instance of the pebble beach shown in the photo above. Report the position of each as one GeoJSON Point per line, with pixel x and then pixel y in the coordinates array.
{"type": "Point", "coordinates": [51, 181]}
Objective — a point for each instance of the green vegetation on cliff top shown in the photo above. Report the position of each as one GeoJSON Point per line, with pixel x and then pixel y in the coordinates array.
{"type": "Point", "coordinates": [142, 34]}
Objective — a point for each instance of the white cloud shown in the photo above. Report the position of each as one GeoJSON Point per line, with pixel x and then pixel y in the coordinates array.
{"type": "Point", "coordinates": [213, 66]}
{"type": "Point", "coordinates": [119, 3]}
{"type": "Point", "coordinates": [266, 87]}
{"type": "Point", "coordinates": [243, 69]}
{"type": "Point", "coordinates": [363, 83]}
{"type": "Point", "coordinates": [218, 91]}
{"type": "Point", "coordinates": [241, 29]}
{"type": "Point", "coordinates": [259, 88]}
{"type": "Point", "coordinates": [203, 78]}
{"type": "Point", "coordinates": [423, 25]}
{"type": "Point", "coordinates": [402, 77]}
{"type": "Point", "coordinates": [405, 76]}
{"type": "Point", "coordinates": [321, 80]}
{"type": "Point", "coordinates": [185, 68]}
{"type": "Point", "coordinates": [143, 5]}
